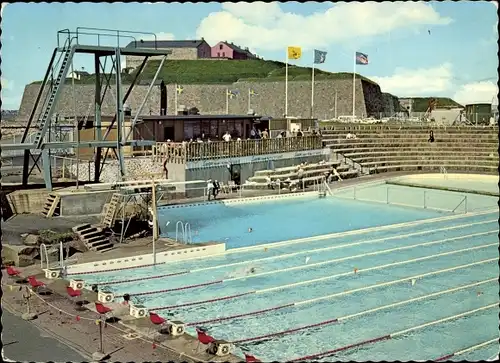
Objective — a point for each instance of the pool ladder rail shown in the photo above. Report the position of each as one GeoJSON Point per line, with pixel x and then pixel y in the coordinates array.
{"type": "Point", "coordinates": [185, 229]}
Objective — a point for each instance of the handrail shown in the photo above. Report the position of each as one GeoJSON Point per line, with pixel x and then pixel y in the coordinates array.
{"type": "Point", "coordinates": [117, 34]}
{"type": "Point", "coordinates": [459, 204]}
{"type": "Point", "coordinates": [328, 188]}
{"type": "Point", "coordinates": [43, 248]}
{"type": "Point", "coordinates": [188, 237]}
{"type": "Point", "coordinates": [177, 230]}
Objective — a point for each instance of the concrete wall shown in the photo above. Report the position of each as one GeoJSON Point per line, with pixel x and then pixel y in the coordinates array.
{"type": "Point", "coordinates": [211, 99]}
{"type": "Point", "coordinates": [177, 54]}
{"type": "Point", "coordinates": [140, 168]}
{"type": "Point", "coordinates": [28, 201]}
{"type": "Point", "coordinates": [79, 204]}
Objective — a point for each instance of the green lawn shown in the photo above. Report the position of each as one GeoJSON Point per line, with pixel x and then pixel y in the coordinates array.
{"type": "Point", "coordinates": [224, 72]}
{"type": "Point", "coordinates": [420, 104]}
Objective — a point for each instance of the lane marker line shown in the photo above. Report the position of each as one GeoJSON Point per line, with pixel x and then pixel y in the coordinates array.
{"type": "Point", "coordinates": [365, 312]}
{"type": "Point", "coordinates": [405, 279]}
{"type": "Point", "coordinates": [284, 256]}
{"type": "Point", "coordinates": [467, 350]}
{"type": "Point", "coordinates": [393, 335]}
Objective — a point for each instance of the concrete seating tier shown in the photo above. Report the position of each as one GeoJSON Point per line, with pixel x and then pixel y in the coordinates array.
{"type": "Point", "coordinates": [313, 174]}
{"type": "Point", "coordinates": [397, 148]}
{"type": "Point", "coordinates": [425, 148]}
{"type": "Point", "coordinates": [308, 181]}
{"type": "Point", "coordinates": [410, 142]}
{"type": "Point", "coordinates": [402, 128]}
{"type": "Point", "coordinates": [449, 168]}
{"type": "Point", "coordinates": [367, 158]}
{"type": "Point", "coordinates": [420, 137]}
{"type": "Point", "coordinates": [294, 175]}
{"type": "Point", "coordinates": [290, 169]}
{"type": "Point", "coordinates": [436, 161]}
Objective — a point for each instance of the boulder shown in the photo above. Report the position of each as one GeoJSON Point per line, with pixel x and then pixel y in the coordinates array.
{"type": "Point", "coordinates": [32, 240]}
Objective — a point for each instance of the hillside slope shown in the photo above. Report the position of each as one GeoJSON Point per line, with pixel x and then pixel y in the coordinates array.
{"type": "Point", "coordinates": [225, 72]}
{"type": "Point", "coordinates": [420, 104]}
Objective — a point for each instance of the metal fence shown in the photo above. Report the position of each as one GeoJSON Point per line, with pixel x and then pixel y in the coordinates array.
{"type": "Point", "coordinates": [182, 152]}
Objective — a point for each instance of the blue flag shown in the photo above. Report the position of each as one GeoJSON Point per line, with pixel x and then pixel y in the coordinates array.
{"type": "Point", "coordinates": [361, 58]}
{"type": "Point", "coordinates": [319, 56]}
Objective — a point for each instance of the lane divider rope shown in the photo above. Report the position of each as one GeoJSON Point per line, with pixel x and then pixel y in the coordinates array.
{"type": "Point", "coordinates": [392, 335]}
{"type": "Point", "coordinates": [298, 303]}
{"type": "Point", "coordinates": [467, 350]}
{"type": "Point", "coordinates": [369, 311]}
{"type": "Point", "coordinates": [361, 231]}
{"type": "Point", "coordinates": [283, 256]}
{"type": "Point", "coordinates": [308, 239]}
{"type": "Point", "coordinates": [307, 266]}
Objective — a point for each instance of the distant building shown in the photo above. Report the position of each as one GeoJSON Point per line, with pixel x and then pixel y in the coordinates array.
{"type": "Point", "coordinates": [181, 49]}
{"type": "Point", "coordinates": [77, 74]}
{"type": "Point", "coordinates": [231, 51]}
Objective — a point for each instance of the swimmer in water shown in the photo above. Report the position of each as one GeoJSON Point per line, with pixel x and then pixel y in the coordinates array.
{"type": "Point", "coordinates": [252, 270]}
{"type": "Point", "coordinates": [355, 270]}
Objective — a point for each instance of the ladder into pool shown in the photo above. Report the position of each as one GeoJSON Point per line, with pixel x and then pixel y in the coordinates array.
{"type": "Point", "coordinates": [185, 229]}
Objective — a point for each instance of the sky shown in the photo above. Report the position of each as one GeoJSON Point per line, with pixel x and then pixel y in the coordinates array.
{"type": "Point", "coordinates": [440, 49]}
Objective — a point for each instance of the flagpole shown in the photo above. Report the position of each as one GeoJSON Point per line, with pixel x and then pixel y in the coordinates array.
{"type": "Point", "coordinates": [227, 101]}
{"type": "Point", "coordinates": [286, 83]}
{"type": "Point", "coordinates": [312, 90]}
{"type": "Point", "coordinates": [354, 89]}
{"type": "Point", "coordinates": [175, 99]}
{"type": "Point", "coordinates": [249, 95]}
{"type": "Point", "coordinates": [335, 103]}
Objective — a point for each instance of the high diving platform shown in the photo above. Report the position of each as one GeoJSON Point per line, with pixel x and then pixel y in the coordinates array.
{"type": "Point", "coordinates": [43, 118]}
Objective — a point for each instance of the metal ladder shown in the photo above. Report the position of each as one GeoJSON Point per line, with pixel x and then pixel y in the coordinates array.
{"type": "Point", "coordinates": [42, 123]}
{"type": "Point", "coordinates": [185, 230]}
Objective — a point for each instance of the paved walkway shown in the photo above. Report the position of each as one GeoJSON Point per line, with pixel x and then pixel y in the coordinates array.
{"type": "Point", "coordinates": [61, 338]}
{"type": "Point", "coordinates": [24, 342]}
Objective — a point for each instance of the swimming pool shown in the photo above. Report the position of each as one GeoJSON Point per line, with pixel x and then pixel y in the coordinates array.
{"type": "Point", "coordinates": [332, 273]}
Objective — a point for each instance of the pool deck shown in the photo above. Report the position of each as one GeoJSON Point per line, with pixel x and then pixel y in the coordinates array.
{"type": "Point", "coordinates": [133, 338]}
{"type": "Point", "coordinates": [136, 247]}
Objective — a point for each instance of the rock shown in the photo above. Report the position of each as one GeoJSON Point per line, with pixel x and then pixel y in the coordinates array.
{"type": "Point", "coordinates": [31, 239]}
{"type": "Point", "coordinates": [24, 235]}
{"type": "Point", "coordinates": [29, 316]}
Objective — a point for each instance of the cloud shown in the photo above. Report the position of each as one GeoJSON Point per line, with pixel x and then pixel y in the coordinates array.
{"type": "Point", "coordinates": [266, 26]}
{"type": "Point", "coordinates": [6, 84]}
{"type": "Point", "coordinates": [160, 36]}
{"type": "Point", "coordinates": [416, 82]}
{"type": "Point", "coordinates": [477, 92]}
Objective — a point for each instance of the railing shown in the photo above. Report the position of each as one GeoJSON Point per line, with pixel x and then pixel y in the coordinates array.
{"type": "Point", "coordinates": [464, 202]}
{"type": "Point", "coordinates": [43, 248]}
{"type": "Point", "coordinates": [185, 229]}
{"type": "Point", "coordinates": [182, 152]}
{"type": "Point", "coordinates": [97, 32]}
{"type": "Point", "coordinates": [426, 199]}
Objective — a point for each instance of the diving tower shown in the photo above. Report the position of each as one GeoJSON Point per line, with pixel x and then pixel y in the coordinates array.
{"type": "Point", "coordinates": [42, 118]}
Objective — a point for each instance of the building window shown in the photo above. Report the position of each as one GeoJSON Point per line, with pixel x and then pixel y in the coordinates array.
{"type": "Point", "coordinates": [223, 54]}
{"type": "Point", "coordinates": [218, 55]}
{"type": "Point", "coordinates": [220, 46]}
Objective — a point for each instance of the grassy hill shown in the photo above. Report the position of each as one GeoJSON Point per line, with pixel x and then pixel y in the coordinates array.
{"type": "Point", "coordinates": [420, 104]}
{"type": "Point", "coordinates": [224, 72]}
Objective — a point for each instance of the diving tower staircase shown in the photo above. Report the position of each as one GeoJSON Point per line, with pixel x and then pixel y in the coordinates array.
{"type": "Point", "coordinates": [55, 90]}
{"type": "Point", "coordinates": [44, 107]}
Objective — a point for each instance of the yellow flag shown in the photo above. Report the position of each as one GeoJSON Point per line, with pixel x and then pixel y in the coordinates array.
{"type": "Point", "coordinates": [294, 52]}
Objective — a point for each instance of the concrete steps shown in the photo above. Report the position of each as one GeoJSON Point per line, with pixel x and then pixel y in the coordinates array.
{"type": "Point", "coordinates": [93, 237]}
{"type": "Point", "coordinates": [52, 206]}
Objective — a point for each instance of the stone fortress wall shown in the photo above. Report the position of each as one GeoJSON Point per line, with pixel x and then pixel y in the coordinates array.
{"type": "Point", "coordinates": [211, 99]}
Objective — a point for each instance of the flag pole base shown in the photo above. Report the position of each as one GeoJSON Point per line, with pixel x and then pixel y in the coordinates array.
{"type": "Point", "coordinates": [29, 316]}
{"type": "Point", "coordinates": [98, 356]}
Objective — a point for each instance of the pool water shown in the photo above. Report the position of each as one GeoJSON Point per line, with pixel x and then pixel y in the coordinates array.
{"type": "Point", "coordinates": [283, 219]}
{"type": "Point", "coordinates": [378, 281]}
